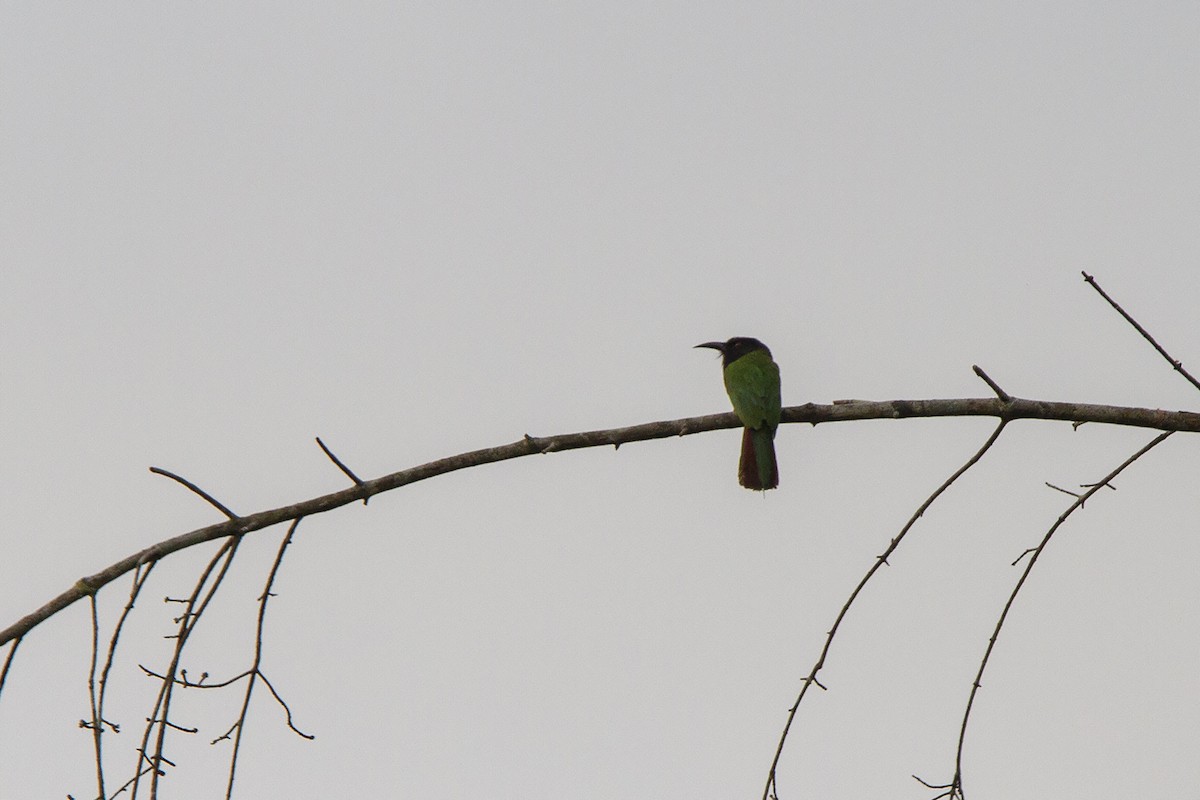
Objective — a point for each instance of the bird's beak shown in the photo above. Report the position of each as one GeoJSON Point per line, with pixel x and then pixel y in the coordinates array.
{"type": "Point", "coordinates": [718, 346]}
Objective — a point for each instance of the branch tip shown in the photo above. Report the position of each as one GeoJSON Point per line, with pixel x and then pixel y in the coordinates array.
{"type": "Point", "coordinates": [345, 470]}
{"type": "Point", "coordinates": [1004, 396]}
{"type": "Point", "coordinates": [1175, 363]}
{"type": "Point", "coordinates": [197, 490]}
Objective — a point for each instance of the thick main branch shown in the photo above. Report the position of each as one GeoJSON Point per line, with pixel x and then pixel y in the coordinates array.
{"type": "Point", "coordinates": [810, 413]}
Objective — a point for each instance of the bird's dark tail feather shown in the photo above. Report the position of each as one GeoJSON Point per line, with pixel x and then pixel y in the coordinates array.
{"type": "Point", "coordinates": [748, 466]}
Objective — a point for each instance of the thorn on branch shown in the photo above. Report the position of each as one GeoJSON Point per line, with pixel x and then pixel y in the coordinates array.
{"type": "Point", "coordinates": [185, 482]}
{"type": "Point", "coordinates": [1003, 395]}
{"type": "Point", "coordinates": [338, 463]}
{"type": "Point", "coordinates": [227, 735]}
{"type": "Point", "coordinates": [1076, 495]}
{"type": "Point", "coordinates": [1018, 559]}
{"type": "Point", "coordinates": [159, 758]}
{"type": "Point", "coordinates": [539, 444]}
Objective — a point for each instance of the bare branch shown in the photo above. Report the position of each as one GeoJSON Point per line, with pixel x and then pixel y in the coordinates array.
{"type": "Point", "coordinates": [772, 788]}
{"type": "Point", "coordinates": [97, 724]}
{"type": "Point", "coordinates": [345, 470]}
{"type": "Point", "coordinates": [125, 787]}
{"type": "Point", "coordinates": [211, 500]}
{"type": "Point", "coordinates": [12, 652]}
{"type": "Point", "coordinates": [1037, 551]}
{"type": "Point", "coordinates": [1060, 489]}
{"type": "Point", "coordinates": [160, 714]}
{"type": "Point", "coordinates": [255, 668]}
{"type": "Point", "coordinates": [1003, 395]}
{"type": "Point", "coordinates": [285, 707]}
{"type": "Point", "coordinates": [1024, 553]}
{"type": "Point", "coordinates": [1174, 362]}
{"type": "Point", "coordinates": [810, 413]}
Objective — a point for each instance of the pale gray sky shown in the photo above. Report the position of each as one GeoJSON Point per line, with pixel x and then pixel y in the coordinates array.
{"type": "Point", "coordinates": [419, 229]}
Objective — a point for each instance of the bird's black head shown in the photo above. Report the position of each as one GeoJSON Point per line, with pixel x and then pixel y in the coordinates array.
{"type": "Point", "coordinates": [735, 348]}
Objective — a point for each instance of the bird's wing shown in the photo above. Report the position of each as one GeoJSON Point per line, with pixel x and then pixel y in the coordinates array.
{"type": "Point", "coordinates": [753, 386]}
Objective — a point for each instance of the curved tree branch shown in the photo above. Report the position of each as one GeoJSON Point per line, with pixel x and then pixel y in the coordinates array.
{"type": "Point", "coordinates": [843, 411]}
{"type": "Point", "coordinates": [772, 789]}
{"type": "Point", "coordinates": [956, 786]}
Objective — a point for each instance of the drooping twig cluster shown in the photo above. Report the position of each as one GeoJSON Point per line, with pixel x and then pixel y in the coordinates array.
{"type": "Point", "coordinates": [152, 756]}
{"type": "Point", "coordinates": [152, 760]}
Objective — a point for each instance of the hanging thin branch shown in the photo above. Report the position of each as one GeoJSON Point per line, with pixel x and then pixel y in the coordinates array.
{"type": "Point", "coordinates": [956, 786]}
{"type": "Point", "coordinates": [255, 670]}
{"type": "Point", "coordinates": [771, 789]}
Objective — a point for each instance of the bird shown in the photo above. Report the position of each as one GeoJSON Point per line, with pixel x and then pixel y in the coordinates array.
{"type": "Point", "coordinates": [752, 381]}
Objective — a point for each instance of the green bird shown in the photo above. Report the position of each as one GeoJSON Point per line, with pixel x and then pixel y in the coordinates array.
{"type": "Point", "coordinates": [752, 381]}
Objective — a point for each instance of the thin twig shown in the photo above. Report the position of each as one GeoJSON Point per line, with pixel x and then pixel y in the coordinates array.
{"type": "Point", "coordinates": [286, 710]}
{"type": "Point", "coordinates": [771, 788]}
{"type": "Point", "coordinates": [97, 724]}
{"type": "Point", "coordinates": [129, 783]}
{"type": "Point", "coordinates": [1003, 395]}
{"type": "Point", "coordinates": [338, 462]}
{"type": "Point", "coordinates": [1026, 552]}
{"type": "Point", "coordinates": [1037, 551]}
{"type": "Point", "coordinates": [255, 668]}
{"type": "Point", "coordinates": [12, 652]}
{"type": "Point", "coordinates": [183, 680]}
{"type": "Point", "coordinates": [1175, 363]}
{"type": "Point", "coordinates": [140, 576]}
{"type": "Point", "coordinates": [159, 715]}
{"type": "Point", "coordinates": [212, 500]}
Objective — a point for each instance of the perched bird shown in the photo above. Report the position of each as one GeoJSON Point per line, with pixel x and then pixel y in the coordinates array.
{"type": "Point", "coordinates": [752, 381]}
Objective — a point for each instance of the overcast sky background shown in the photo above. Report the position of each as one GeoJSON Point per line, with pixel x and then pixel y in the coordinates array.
{"type": "Point", "coordinates": [420, 229]}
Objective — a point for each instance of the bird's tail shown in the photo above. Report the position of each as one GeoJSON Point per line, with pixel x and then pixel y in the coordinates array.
{"type": "Point", "coordinates": [757, 468]}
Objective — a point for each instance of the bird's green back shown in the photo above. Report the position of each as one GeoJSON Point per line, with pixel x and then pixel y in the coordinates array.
{"type": "Point", "coordinates": [752, 382]}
